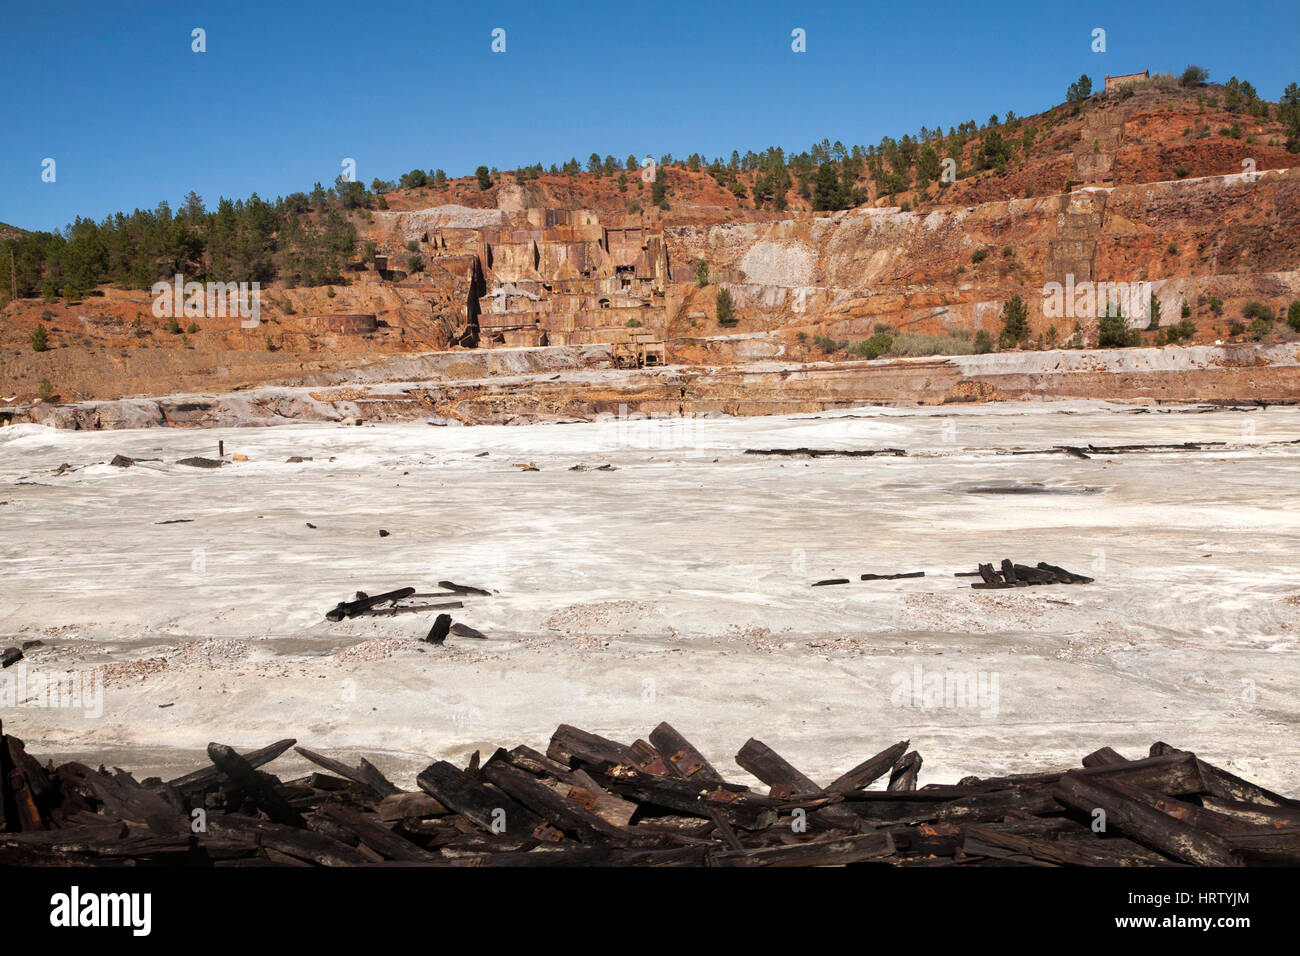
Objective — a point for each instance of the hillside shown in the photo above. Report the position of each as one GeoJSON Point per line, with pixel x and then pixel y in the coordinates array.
{"type": "Point", "coordinates": [1137, 185]}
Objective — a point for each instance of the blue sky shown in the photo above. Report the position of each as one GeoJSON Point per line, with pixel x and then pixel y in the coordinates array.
{"type": "Point", "coordinates": [286, 91]}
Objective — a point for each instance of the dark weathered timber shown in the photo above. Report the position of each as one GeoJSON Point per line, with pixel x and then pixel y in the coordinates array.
{"type": "Point", "coordinates": [829, 452]}
{"type": "Point", "coordinates": [741, 809]}
{"type": "Point", "coordinates": [903, 776]}
{"type": "Point", "coordinates": [301, 844]}
{"type": "Point", "coordinates": [353, 608]}
{"type": "Point", "coordinates": [209, 776]}
{"type": "Point", "coordinates": [570, 745]}
{"type": "Point", "coordinates": [833, 851]}
{"type": "Point", "coordinates": [679, 753]}
{"type": "Point", "coordinates": [563, 814]}
{"type": "Point", "coordinates": [454, 788]}
{"type": "Point", "coordinates": [1257, 813]}
{"type": "Point", "coordinates": [683, 760]}
{"type": "Point", "coordinates": [1064, 576]}
{"type": "Point", "coordinates": [123, 800]}
{"type": "Point", "coordinates": [370, 832]}
{"type": "Point", "coordinates": [827, 581]}
{"type": "Point", "coordinates": [407, 609]}
{"type": "Point", "coordinates": [1143, 823]}
{"type": "Point", "coordinates": [870, 770]}
{"type": "Point", "coordinates": [438, 633]}
{"type": "Point", "coordinates": [1104, 757]}
{"type": "Point", "coordinates": [1176, 774]}
{"type": "Point", "coordinates": [463, 589]}
{"type": "Point", "coordinates": [403, 806]}
{"type": "Point", "coordinates": [942, 839]}
{"type": "Point", "coordinates": [1111, 851]}
{"type": "Point", "coordinates": [892, 577]}
{"type": "Point", "coordinates": [773, 769]}
{"type": "Point", "coordinates": [257, 785]}
{"type": "Point", "coordinates": [589, 857]}
{"type": "Point", "coordinates": [365, 773]}
{"type": "Point", "coordinates": [464, 630]}
{"type": "Point", "coordinates": [1009, 573]}
{"type": "Point", "coordinates": [988, 575]}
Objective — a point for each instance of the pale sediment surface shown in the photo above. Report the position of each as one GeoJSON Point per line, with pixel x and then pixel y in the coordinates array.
{"type": "Point", "coordinates": [676, 587]}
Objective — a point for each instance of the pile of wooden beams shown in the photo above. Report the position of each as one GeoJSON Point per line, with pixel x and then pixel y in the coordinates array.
{"type": "Point", "coordinates": [592, 801]}
{"type": "Point", "coordinates": [1014, 575]}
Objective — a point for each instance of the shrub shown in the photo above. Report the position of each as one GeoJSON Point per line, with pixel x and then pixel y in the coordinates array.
{"type": "Point", "coordinates": [827, 344]}
{"type": "Point", "coordinates": [40, 339]}
{"type": "Point", "coordinates": [726, 309]}
{"type": "Point", "coordinates": [1173, 249]}
{"type": "Point", "coordinates": [1007, 252]}
{"type": "Point", "coordinates": [702, 272]}
{"type": "Point", "coordinates": [1216, 305]}
{"type": "Point", "coordinates": [414, 263]}
{"type": "Point", "coordinates": [1112, 331]}
{"type": "Point", "coordinates": [978, 256]}
{"type": "Point", "coordinates": [874, 347]}
{"type": "Point", "coordinates": [983, 342]}
{"type": "Point", "coordinates": [1187, 310]}
{"type": "Point", "coordinates": [173, 326]}
{"type": "Point", "coordinates": [484, 177]}
{"type": "Point", "coordinates": [70, 293]}
{"type": "Point", "coordinates": [1181, 171]}
{"type": "Point", "coordinates": [1293, 315]}
{"type": "Point", "coordinates": [270, 346]}
{"type": "Point", "coordinates": [1195, 76]}
{"type": "Point", "coordinates": [192, 328]}
{"type": "Point", "coordinates": [633, 323]}
{"type": "Point", "coordinates": [45, 390]}
{"type": "Point", "coordinates": [1259, 312]}
{"type": "Point", "coordinates": [1015, 322]}
{"type": "Point", "coordinates": [1236, 328]}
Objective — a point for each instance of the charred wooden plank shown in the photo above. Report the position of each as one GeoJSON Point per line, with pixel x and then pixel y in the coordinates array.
{"type": "Point", "coordinates": [1111, 851]}
{"type": "Point", "coordinates": [587, 857]}
{"type": "Point", "coordinates": [257, 785]}
{"type": "Point", "coordinates": [773, 769]}
{"type": "Point", "coordinates": [378, 838]}
{"type": "Point", "coordinates": [490, 809]}
{"type": "Point", "coordinates": [835, 851]}
{"type": "Point", "coordinates": [563, 814]}
{"type": "Point", "coordinates": [681, 755]}
{"type": "Point", "coordinates": [209, 776]}
{"type": "Point", "coordinates": [455, 588]}
{"type": "Point", "coordinates": [904, 774]}
{"type": "Point", "coordinates": [301, 844]}
{"type": "Point", "coordinates": [570, 745]}
{"type": "Point", "coordinates": [1145, 824]}
{"type": "Point", "coordinates": [353, 608]}
{"type": "Point", "coordinates": [365, 773]}
{"type": "Point", "coordinates": [739, 808]}
{"type": "Point", "coordinates": [1104, 757]}
{"type": "Point", "coordinates": [402, 806]}
{"type": "Point", "coordinates": [870, 770]}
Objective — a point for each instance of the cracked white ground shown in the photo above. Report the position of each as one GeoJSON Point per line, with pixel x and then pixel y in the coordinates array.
{"type": "Point", "coordinates": [676, 588]}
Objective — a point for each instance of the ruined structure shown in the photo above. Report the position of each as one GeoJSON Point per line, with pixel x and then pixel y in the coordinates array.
{"type": "Point", "coordinates": [1125, 79]}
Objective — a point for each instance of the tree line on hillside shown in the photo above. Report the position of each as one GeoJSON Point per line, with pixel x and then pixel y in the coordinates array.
{"type": "Point", "coordinates": [309, 238]}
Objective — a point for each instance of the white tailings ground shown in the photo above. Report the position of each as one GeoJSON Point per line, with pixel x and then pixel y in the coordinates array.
{"type": "Point", "coordinates": [673, 588]}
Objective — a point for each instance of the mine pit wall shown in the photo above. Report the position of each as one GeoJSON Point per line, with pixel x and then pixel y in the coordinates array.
{"type": "Point", "coordinates": [1234, 374]}
{"type": "Point", "coordinates": [903, 268]}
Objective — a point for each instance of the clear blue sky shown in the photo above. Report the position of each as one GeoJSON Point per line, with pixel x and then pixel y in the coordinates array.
{"type": "Point", "coordinates": [286, 90]}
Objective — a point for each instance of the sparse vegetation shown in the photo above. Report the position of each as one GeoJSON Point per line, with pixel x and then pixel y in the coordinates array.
{"type": "Point", "coordinates": [726, 310]}
{"type": "Point", "coordinates": [45, 390]}
{"type": "Point", "coordinates": [40, 339]}
{"type": "Point", "coordinates": [701, 273]}
{"type": "Point", "coordinates": [1015, 323]}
